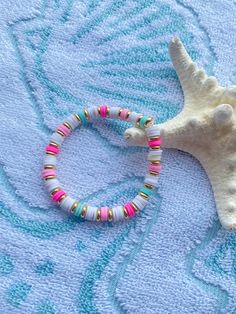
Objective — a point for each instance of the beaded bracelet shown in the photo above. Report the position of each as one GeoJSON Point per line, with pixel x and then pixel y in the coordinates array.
{"type": "Point", "coordinates": [86, 211]}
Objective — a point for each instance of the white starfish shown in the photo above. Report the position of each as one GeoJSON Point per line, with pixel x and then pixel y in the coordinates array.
{"type": "Point", "coordinates": [205, 128]}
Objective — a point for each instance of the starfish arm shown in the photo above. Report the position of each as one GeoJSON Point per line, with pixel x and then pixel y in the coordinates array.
{"type": "Point", "coordinates": [194, 81]}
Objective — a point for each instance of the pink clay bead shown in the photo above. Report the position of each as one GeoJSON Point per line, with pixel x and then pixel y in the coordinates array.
{"type": "Point", "coordinates": [56, 196]}
{"type": "Point", "coordinates": [104, 213]}
{"type": "Point", "coordinates": [154, 143]}
{"type": "Point", "coordinates": [130, 209]}
{"type": "Point", "coordinates": [52, 149]}
{"type": "Point", "coordinates": [155, 168]}
{"type": "Point", "coordinates": [64, 129]}
{"type": "Point", "coordinates": [103, 111]}
{"type": "Point", "coordinates": [123, 114]}
{"type": "Point", "coordinates": [48, 172]}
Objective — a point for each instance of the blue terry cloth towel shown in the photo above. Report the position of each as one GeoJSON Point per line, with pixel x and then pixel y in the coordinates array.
{"type": "Point", "coordinates": [57, 57]}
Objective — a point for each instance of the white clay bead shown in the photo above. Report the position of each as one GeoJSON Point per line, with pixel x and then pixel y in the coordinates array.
{"type": "Point", "coordinates": [133, 117]}
{"type": "Point", "coordinates": [67, 203]}
{"type": "Point", "coordinates": [91, 213]}
{"type": "Point", "coordinates": [74, 123]}
{"type": "Point", "coordinates": [150, 179]}
{"type": "Point", "coordinates": [118, 213]}
{"type": "Point", "coordinates": [154, 155]}
{"type": "Point", "coordinates": [114, 112]}
{"type": "Point", "coordinates": [153, 130]}
{"type": "Point", "coordinates": [50, 160]}
{"type": "Point", "coordinates": [93, 112]}
{"type": "Point", "coordinates": [140, 202]}
{"type": "Point", "coordinates": [57, 138]}
{"type": "Point", "coordinates": [52, 184]}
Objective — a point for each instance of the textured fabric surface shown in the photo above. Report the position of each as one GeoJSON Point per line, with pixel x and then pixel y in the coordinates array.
{"type": "Point", "coordinates": [57, 57]}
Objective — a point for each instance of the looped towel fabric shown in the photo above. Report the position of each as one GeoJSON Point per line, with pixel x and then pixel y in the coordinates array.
{"type": "Point", "coordinates": [57, 57]}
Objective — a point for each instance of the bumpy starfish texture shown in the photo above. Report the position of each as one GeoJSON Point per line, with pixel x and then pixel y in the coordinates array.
{"type": "Point", "coordinates": [205, 128]}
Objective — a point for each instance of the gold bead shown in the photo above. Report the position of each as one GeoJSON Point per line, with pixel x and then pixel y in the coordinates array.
{"type": "Point", "coordinates": [138, 120]}
{"type": "Point", "coordinates": [55, 190]}
{"type": "Point", "coordinates": [108, 111]}
{"type": "Point", "coordinates": [135, 207]}
{"type": "Point", "coordinates": [77, 117]}
{"type": "Point", "coordinates": [156, 137]}
{"type": "Point", "coordinates": [61, 133]}
{"type": "Point", "coordinates": [49, 167]}
{"type": "Point", "coordinates": [155, 147]}
{"type": "Point", "coordinates": [53, 144]}
{"type": "Point", "coordinates": [128, 114]}
{"type": "Point", "coordinates": [110, 214]}
{"type": "Point", "coordinates": [73, 207]}
{"type": "Point", "coordinates": [153, 173]}
{"type": "Point", "coordinates": [50, 177]}
{"type": "Point", "coordinates": [62, 197]}
{"type": "Point", "coordinates": [98, 214]}
{"type": "Point", "coordinates": [67, 124]}
{"type": "Point", "coordinates": [86, 113]}
{"type": "Point", "coordinates": [149, 122]}
{"type": "Point", "coordinates": [84, 211]}
{"type": "Point", "coordinates": [143, 195]}
{"type": "Point", "coordinates": [155, 162]}
{"type": "Point", "coordinates": [149, 186]}
{"type": "Point", "coordinates": [98, 108]}
{"type": "Point", "coordinates": [50, 153]}
{"type": "Point", "coordinates": [125, 212]}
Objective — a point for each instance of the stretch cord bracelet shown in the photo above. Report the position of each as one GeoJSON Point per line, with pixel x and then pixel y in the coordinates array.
{"type": "Point", "coordinates": [105, 213]}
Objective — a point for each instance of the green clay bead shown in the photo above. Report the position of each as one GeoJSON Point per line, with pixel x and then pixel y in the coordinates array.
{"type": "Point", "coordinates": [82, 117]}
{"type": "Point", "coordinates": [146, 191]}
{"type": "Point", "coordinates": [143, 121]}
{"type": "Point", "coordinates": [78, 209]}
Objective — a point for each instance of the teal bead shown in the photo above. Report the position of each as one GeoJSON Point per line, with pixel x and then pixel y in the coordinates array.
{"type": "Point", "coordinates": [143, 121]}
{"type": "Point", "coordinates": [146, 191]}
{"type": "Point", "coordinates": [78, 209]}
{"type": "Point", "coordinates": [82, 117]}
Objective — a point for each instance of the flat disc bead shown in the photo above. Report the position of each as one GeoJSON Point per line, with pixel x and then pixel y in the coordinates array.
{"type": "Point", "coordinates": [142, 121]}
{"type": "Point", "coordinates": [104, 213]}
{"type": "Point", "coordinates": [52, 149]}
{"type": "Point", "coordinates": [48, 172]}
{"type": "Point", "coordinates": [91, 213]}
{"type": "Point", "coordinates": [103, 111]}
{"type": "Point", "coordinates": [152, 180]}
{"type": "Point", "coordinates": [146, 191]}
{"type": "Point", "coordinates": [57, 138]}
{"type": "Point", "coordinates": [74, 123]}
{"type": "Point", "coordinates": [50, 160]}
{"type": "Point", "coordinates": [133, 117]}
{"type": "Point", "coordinates": [82, 117]}
{"type": "Point", "coordinates": [52, 184]}
{"type": "Point", "coordinates": [153, 130]}
{"type": "Point", "coordinates": [67, 203]}
{"type": "Point", "coordinates": [153, 143]}
{"type": "Point", "coordinates": [58, 195]}
{"type": "Point", "coordinates": [93, 113]}
{"type": "Point", "coordinates": [130, 209]}
{"type": "Point", "coordinates": [118, 213]}
{"type": "Point", "coordinates": [123, 114]}
{"type": "Point", "coordinates": [78, 210]}
{"type": "Point", "coordinates": [154, 155]}
{"type": "Point", "coordinates": [155, 168]}
{"type": "Point", "coordinates": [140, 202]}
{"type": "Point", "coordinates": [62, 128]}
{"type": "Point", "coordinates": [114, 112]}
